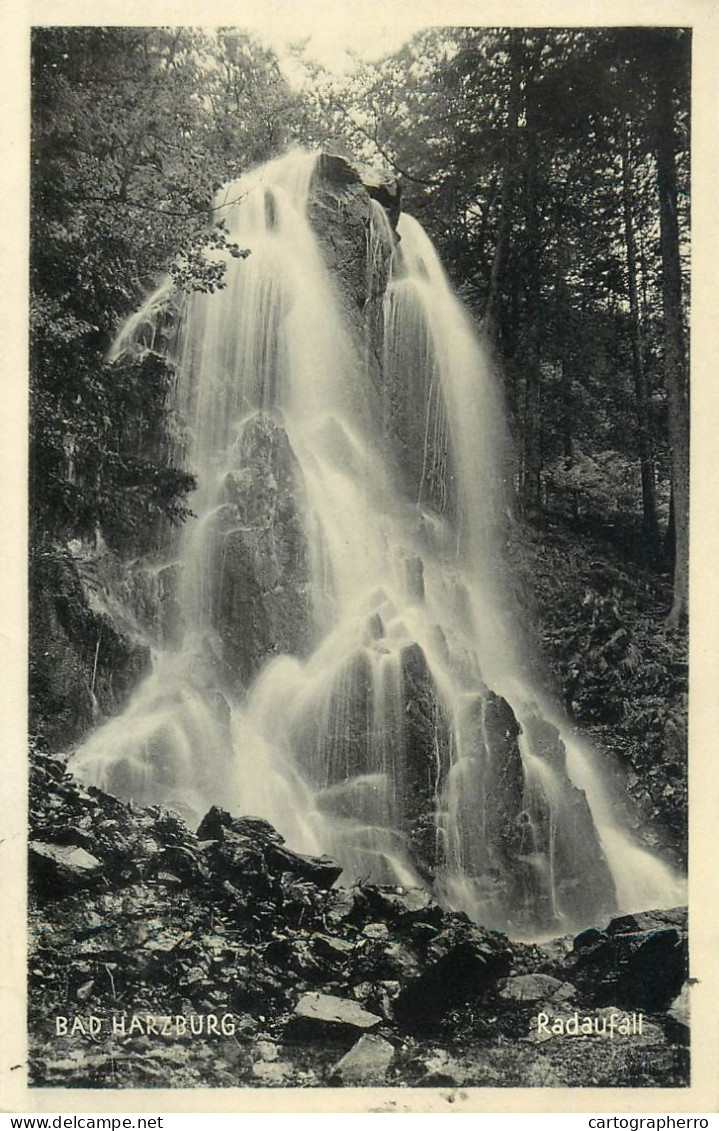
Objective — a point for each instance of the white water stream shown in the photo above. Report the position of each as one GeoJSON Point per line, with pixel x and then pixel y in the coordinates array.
{"type": "Point", "coordinates": [382, 744]}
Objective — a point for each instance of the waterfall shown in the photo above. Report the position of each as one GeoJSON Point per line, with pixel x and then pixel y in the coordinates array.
{"type": "Point", "coordinates": [345, 662]}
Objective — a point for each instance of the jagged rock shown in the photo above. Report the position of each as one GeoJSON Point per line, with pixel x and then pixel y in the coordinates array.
{"type": "Point", "coordinates": [535, 987]}
{"type": "Point", "coordinates": [60, 869]}
{"type": "Point", "coordinates": [340, 906]}
{"type": "Point", "coordinates": [301, 900]}
{"type": "Point", "coordinates": [181, 862]}
{"type": "Point", "coordinates": [331, 948]}
{"type": "Point", "coordinates": [363, 991]}
{"type": "Point", "coordinates": [556, 823]}
{"type": "Point", "coordinates": [216, 821]}
{"type": "Point", "coordinates": [545, 742]}
{"type": "Point", "coordinates": [334, 171]}
{"type": "Point", "coordinates": [402, 906]}
{"type": "Point", "coordinates": [257, 827]}
{"type": "Point", "coordinates": [242, 951]}
{"type": "Point", "coordinates": [325, 1010]}
{"type": "Point", "coordinates": [68, 835]}
{"type": "Point", "coordinates": [266, 1050]}
{"type": "Point", "coordinates": [461, 963]}
{"type": "Point", "coordinates": [337, 171]}
{"type": "Point", "coordinates": [366, 1062]}
{"type": "Point", "coordinates": [426, 759]}
{"type": "Point", "coordinates": [376, 930]}
{"type": "Point", "coordinates": [170, 829]}
{"type": "Point", "coordinates": [82, 659]}
{"type": "Point", "coordinates": [587, 938]}
{"type": "Point", "coordinates": [240, 860]}
{"type": "Point", "coordinates": [319, 870]}
{"type": "Point", "coordinates": [275, 1072]}
{"type": "Point", "coordinates": [639, 962]}
{"type": "Point", "coordinates": [339, 211]}
{"type": "Point", "coordinates": [392, 959]}
{"type": "Point", "coordinates": [649, 921]}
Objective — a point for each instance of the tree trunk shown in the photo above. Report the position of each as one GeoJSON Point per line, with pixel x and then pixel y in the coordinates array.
{"type": "Point", "coordinates": [674, 351]}
{"type": "Point", "coordinates": [490, 316]}
{"type": "Point", "coordinates": [531, 353]}
{"type": "Point", "coordinates": [646, 453]}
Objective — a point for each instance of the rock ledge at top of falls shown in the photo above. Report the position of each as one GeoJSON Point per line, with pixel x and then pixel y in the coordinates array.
{"type": "Point", "coordinates": [160, 921]}
{"type": "Point", "coordinates": [341, 216]}
{"type": "Point", "coordinates": [337, 171]}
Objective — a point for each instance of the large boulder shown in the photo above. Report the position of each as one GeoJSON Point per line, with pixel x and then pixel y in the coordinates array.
{"type": "Point", "coordinates": [217, 821]}
{"type": "Point", "coordinates": [366, 1062]}
{"type": "Point", "coordinates": [317, 870]}
{"type": "Point", "coordinates": [325, 1013]}
{"type": "Point", "coordinates": [461, 964]}
{"type": "Point", "coordinates": [401, 906]}
{"type": "Point", "coordinates": [535, 987]}
{"type": "Point", "coordinates": [639, 962]}
{"type": "Point", "coordinates": [58, 869]}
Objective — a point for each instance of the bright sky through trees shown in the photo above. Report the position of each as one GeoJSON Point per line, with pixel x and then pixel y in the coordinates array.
{"type": "Point", "coordinates": [332, 37]}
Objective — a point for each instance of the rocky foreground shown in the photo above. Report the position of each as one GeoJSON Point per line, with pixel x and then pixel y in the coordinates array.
{"type": "Point", "coordinates": [166, 958]}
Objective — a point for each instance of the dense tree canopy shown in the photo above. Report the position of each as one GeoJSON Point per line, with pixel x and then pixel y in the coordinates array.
{"type": "Point", "coordinates": [133, 130]}
{"type": "Point", "coordinates": [551, 167]}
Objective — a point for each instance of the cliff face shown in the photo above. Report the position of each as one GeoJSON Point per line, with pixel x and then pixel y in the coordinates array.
{"type": "Point", "coordinates": [84, 658]}
{"type": "Point", "coordinates": [261, 604]}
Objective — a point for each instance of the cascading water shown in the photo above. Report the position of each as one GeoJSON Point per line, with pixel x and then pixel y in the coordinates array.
{"type": "Point", "coordinates": [345, 664]}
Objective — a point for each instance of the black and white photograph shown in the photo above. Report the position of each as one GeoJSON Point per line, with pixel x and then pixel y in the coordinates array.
{"type": "Point", "coordinates": [358, 556]}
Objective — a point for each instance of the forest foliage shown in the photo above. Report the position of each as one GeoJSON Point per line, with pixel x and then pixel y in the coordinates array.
{"type": "Point", "coordinates": [550, 166]}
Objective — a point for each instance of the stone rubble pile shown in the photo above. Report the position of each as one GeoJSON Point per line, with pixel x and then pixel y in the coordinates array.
{"type": "Point", "coordinates": [166, 957]}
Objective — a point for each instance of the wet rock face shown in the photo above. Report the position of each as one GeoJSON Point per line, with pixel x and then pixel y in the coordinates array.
{"type": "Point", "coordinates": [261, 604]}
{"type": "Point", "coordinates": [342, 199]}
{"type": "Point", "coordinates": [340, 214]}
{"type": "Point", "coordinates": [524, 825]}
{"type": "Point", "coordinates": [426, 757]}
{"type": "Point", "coordinates": [585, 885]}
{"type": "Point", "coordinates": [81, 659]}
{"type": "Point", "coordinates": [504, 773]}
{"type": "Point", "coordinates": [338, 747]}
{"type": "Point", "coordinates": [339, 174]}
